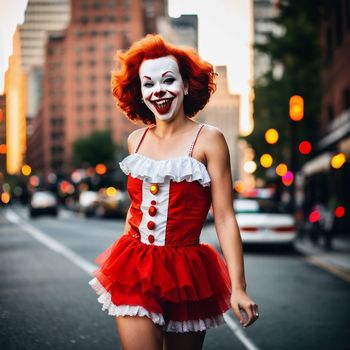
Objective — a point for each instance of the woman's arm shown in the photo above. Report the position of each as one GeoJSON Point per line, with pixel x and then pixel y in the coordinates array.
{"type": "Point", "coordinates": [218, 164]}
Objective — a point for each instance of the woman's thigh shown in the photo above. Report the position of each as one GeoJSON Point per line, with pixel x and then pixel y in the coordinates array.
{"type": "Point", "coordinates": [183, 341]}
{"type": "Point", "coordinates": [139, 333]}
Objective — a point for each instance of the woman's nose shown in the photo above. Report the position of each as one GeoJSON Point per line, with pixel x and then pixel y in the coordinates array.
{"type": "Point", "coordinates": [160, 91]}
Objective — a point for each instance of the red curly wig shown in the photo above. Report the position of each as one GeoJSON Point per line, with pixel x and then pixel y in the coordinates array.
{"type": "Point", "coordinates": [126, 85]}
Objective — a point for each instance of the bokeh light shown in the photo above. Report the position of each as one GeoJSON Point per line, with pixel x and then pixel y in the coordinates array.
{"type": "Point", "coordinates": [305, 147]}
{"type": "Point", "coordinates": [26, 170]}
{"type": "Point", "coordinates": [287, 178]}
{"type": "Point", "coordinates": [249, 167]}
{"type": "Point", "coordinates": [314, 216]}
{"type": "Point", "coordinates": [266, 160]}
{"type": "Point", "coordinates": [338, 160]}
{"type": "Point", "coordinates": [111, 191]}
{"type": "Point", "coordinates": [239, 186]}
{"type": "Point", "coordinates": [281, 169]}
{"type": "Point", "coordinates": [271, 136]}
{"type": "Point", "coordinates": [5, 197]}
{"type": "Point", "coordinates": [339, 211]}
{"type": "Point", "coordinates": [100, 169]}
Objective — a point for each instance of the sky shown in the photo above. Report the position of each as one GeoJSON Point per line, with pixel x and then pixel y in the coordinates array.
{"type": "Point", "coordinates": [224, 38]}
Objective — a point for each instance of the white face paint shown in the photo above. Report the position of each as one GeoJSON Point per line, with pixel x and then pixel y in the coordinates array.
{"type": "Point", "coordinates": [162, 87]}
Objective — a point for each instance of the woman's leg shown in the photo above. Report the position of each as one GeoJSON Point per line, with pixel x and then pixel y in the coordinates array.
{"type": "Point", "coordinates": [183, 341]}
{"type": "Point", "coordinates": [139, 333]}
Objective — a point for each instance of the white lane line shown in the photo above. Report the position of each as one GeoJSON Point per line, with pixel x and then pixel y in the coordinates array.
{"type": "Point", "coordinates": [239, 333]}
{"type": "Point", "coordinates": [89, 267]}
{"type": "Point", "coordinates": [51, 243]}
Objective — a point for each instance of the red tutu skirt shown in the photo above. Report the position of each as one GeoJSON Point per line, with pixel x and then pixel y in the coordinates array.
{"type": "Point", "coordinates": [182, 288]}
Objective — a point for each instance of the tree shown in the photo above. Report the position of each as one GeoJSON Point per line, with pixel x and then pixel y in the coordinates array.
{"type": "Point", "coordinates": [94, 149]}
{"type": "Point", "coordinates": [297, 51]}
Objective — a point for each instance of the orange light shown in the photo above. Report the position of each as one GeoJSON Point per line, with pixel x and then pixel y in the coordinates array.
{"type": "Point", "coordinates": [154, 188]}
{"type": "Point", "coordinates": [100, 169]}
{"type": "Point", "coordinates": [338, 160]}
{"type": "Point", "coordinates": [281, 169]}
{"type": "Point", "coordinates": [266, 160]}
{"type": "Point", "coordinates": [26, 170]}
{"type": "Point", "coordinates": [271, 136]}
{"type": "Point", "coordinates": [5, 197]}
{"type": "Point", "coordinates": [296, 108]}
{"type": "Point", "coordinates": [2, 148]}
{"type": "Point", "coordinates": [239, 186]}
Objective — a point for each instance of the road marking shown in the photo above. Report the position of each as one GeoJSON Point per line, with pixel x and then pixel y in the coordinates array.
{"type": "Point", "coordinates": [339, 272]}
{"type": "Point", "coordinates": [239, 333]}
{"type": "Point", "coordinates": [51, 243]}
{"type": "Point", "coordinates": [88, 267]}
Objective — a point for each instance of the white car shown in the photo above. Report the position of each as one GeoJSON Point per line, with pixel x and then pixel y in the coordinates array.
{"type": "Point", "coordinates": [264, 221]}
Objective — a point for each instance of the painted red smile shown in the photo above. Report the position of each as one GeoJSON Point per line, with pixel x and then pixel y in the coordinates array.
{"type": "Point", "coordinates": [163, 105]}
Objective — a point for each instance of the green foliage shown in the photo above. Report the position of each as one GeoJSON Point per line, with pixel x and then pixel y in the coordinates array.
{"type": "Point", "coordinates": [297, 50]}
{"type": "Point", "coordinates": [94, 149]}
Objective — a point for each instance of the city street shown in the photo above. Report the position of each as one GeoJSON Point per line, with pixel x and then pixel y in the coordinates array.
{"type": "Point", "coordinates": [46, 302]}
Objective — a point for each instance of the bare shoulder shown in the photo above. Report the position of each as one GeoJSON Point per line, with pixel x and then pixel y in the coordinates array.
{"type": "Point", "coordinates": [134, 138]}
{"type": "Point", "coordinates": [213, 139]}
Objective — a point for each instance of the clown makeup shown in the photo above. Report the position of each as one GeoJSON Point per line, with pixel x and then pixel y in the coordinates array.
{"type": "Point", "coordinates": [162, 87]}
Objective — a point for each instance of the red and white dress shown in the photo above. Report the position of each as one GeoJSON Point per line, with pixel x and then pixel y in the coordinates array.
{"type": "Point", "coordinates": [159, 269]}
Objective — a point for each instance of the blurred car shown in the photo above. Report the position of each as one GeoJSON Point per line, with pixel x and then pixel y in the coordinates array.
{"type": "Point", "coordinates": [112, 202]}
{"type": "Point", "coordinates": [264, 220]}
{"type": "Point", "coordinates": [88, 203]}
{"type": "Point", "coordinates": [43, 202]}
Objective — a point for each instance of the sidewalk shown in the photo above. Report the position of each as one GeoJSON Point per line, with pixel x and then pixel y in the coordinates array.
{"type": "Point", "coordinates": [336, 261]}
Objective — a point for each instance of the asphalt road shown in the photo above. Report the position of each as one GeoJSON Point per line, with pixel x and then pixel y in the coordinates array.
{"type": "Point", "coordinates": [46, 302]}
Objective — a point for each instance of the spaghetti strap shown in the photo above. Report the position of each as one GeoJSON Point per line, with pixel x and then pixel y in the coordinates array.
{"type": "Point", "coordinates": [143, 136]}
{"type": "Point", "coordinates": [195, 139]}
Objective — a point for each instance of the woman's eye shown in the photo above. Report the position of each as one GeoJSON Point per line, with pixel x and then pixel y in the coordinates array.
{"type": "Point", "coordinates": [147, 84]}
{"type": "Point", "coordinates": [169, 80]}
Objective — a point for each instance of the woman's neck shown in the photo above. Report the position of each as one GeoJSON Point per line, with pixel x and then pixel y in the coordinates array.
{"type": "Point", "coordinates": [164, 129]}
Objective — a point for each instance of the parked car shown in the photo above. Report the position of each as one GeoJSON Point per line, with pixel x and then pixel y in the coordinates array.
{"type": "Point", "coordinates": [264, 220]}
{"type": "Point", "coordinates": [112, 202]}
{"type": "Point", "coordinates": [43, 202]}
{"type": "Point", "coordinates": [88, 201]}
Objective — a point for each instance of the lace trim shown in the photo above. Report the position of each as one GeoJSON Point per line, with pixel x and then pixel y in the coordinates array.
{"type": "Point", "coordinates": [157, 318]}
{"type": "Point", "coordinates": [177, 169]}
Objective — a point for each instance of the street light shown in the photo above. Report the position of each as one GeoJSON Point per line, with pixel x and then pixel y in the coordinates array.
{"type": "Point", "coordinates": [296, 108]}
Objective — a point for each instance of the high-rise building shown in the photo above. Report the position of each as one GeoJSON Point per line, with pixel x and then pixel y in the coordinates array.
{"type": "Point", "coordinates": [182, 31]}
{"type": "Point", "coordinates": [222, 111]}
{"type": "Point", "coordinates": [2, 136]}
{"type": "Point", "coordinates": [77, 98]}
{"type": "Point", "coordinates": [15, 90]}
{"type": "Point", "coordinates": [264, 12]}
{"type": "Point", "coordinates": [41, 16]}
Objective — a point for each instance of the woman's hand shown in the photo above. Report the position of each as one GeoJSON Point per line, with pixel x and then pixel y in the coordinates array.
{"type": "Point", "coordinates": [244, 308]}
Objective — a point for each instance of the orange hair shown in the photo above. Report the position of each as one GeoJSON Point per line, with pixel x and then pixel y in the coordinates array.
{"type": "Point", "coordinates": [126, 85]}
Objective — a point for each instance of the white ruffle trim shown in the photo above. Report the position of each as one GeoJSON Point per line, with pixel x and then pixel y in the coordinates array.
{"type": "Point", "coordinates": [157, 318]}
{"type": "Point", "coordinates": [158, 171]}
{"type": "Point", "coordinates": [122, 310]}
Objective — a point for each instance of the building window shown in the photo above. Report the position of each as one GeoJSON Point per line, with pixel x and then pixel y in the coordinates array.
{"type": "Point", "coordinates": [78, 63]}
{"type": "Point", "coordinates": [93, 122]}
{"type": "Point", "coordinates": [92, 48]}
{"type": "Point", "coordinates": [78, 34]}
{"type": "Point", "coordinates": [98, 19]}
{"type": "Point", "coordinates": [108, 107]}
{"type": "Point", "coordinates": [93, 33]}
{"type": "Point", "coordinates": [92, 78]}
{"type": "Point", "coordinates": [84, 19]}
{"type": "Point", "coordinates": [92, 92]}
{"type": "Point", "coordinates": [79, 123]}
{"type": "Point", "coordinates": [92, 63]}
{"type": "Point", "coordinates": [79, 108]}
{"type": "Point", "coordinates": [108, 92]}
{"type": "Point", "coordinates": [109, 122]}
{"type": "Point", "coordinates": [92, 107]}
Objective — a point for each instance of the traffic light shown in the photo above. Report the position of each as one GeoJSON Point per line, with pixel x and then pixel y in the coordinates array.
{"type": "Point", "coordinates": [296, 108]}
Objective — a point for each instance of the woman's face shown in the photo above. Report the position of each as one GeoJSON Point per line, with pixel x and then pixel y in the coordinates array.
{"type": "Point", "coordinates": [162, 87]}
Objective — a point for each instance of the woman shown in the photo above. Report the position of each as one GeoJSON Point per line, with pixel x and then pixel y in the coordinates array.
{"type": "Point", "coordinates": [163, 286]}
